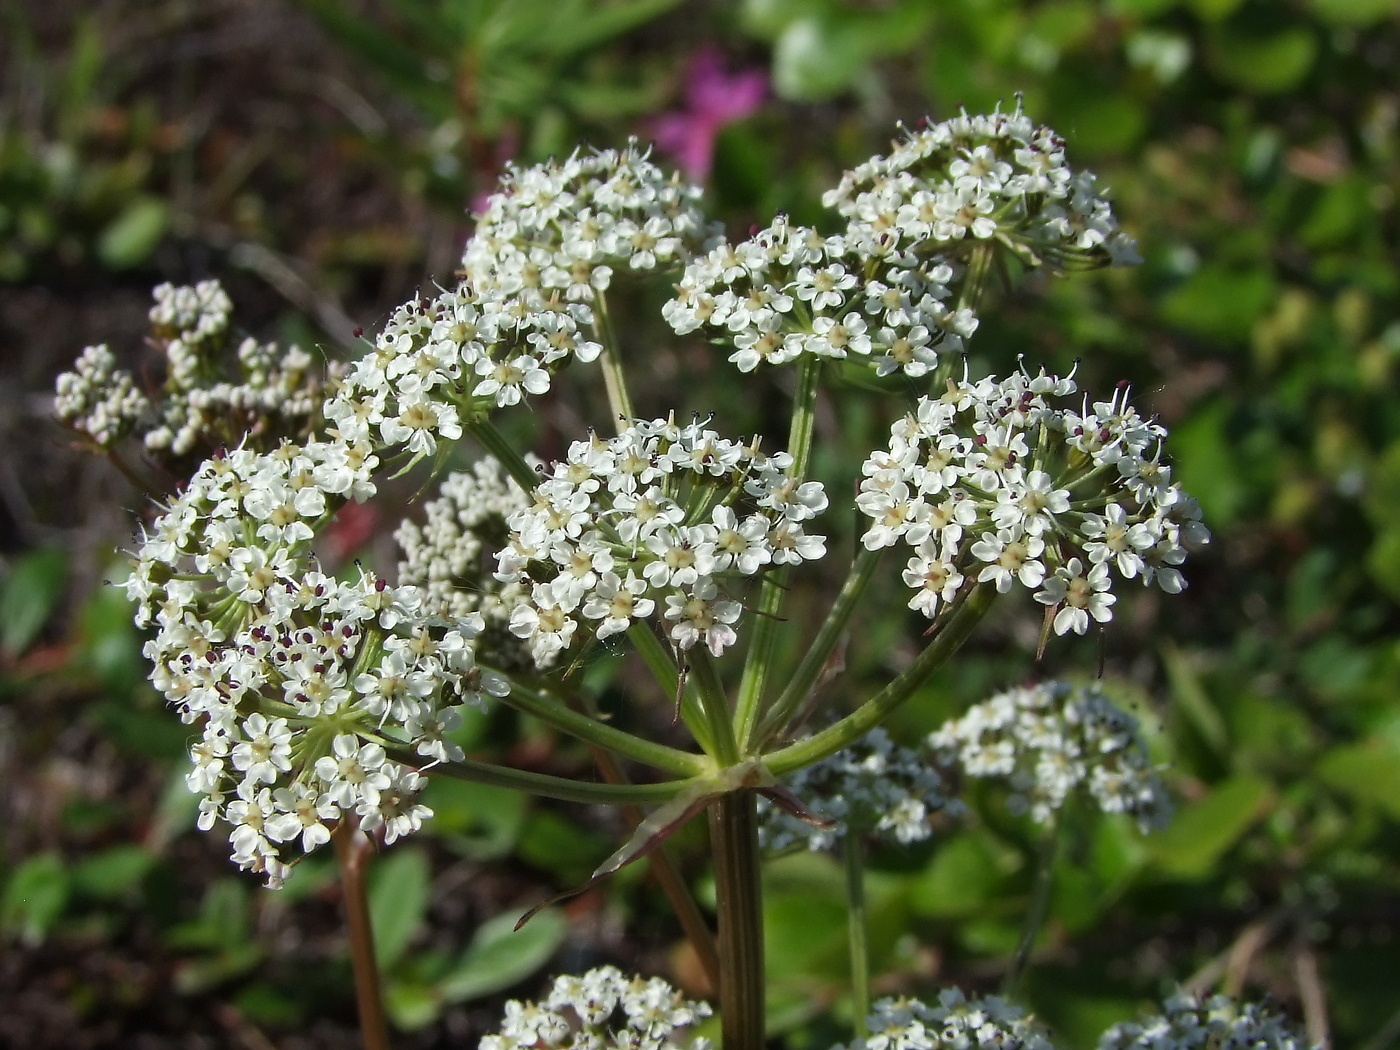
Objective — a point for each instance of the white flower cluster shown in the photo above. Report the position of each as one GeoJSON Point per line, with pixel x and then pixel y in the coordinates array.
{"type": "Point", "coordinates": [787, 291]}
{"type": "Point", "coordinates": [1050, 740]}
{"type": "Point", "coordinates": [545, 246]}
{"type": "Point", "coordinates": [602, 1010]}
{"type": "Point", "coordinates": [891, 289]}
{"type": "Point", "coordinates": [275, 392]}
{"type": "Point", "coordinates": [298, 681]}
{"type": "Point", "coordinates": [993, 482]}
{"type": "Point", "coordinates": [557, 231]}
{"type": "Point", "coordinates": [956, 1023]}
{"type": "Point", "coordinates": [653, 521]}
{"type": "Point", "coordinates": [874, 787]}
{"type": "Point", "coordinates": [992, 178]}
{"type": "Point", "coordinates": [1189, 1022]}
{"type": "Point", "coordinates": [99, 399]}
{"type": "Point", "coordinates": [450, 558]}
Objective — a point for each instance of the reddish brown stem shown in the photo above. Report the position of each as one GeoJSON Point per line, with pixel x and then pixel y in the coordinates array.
{"type": "Point", "coordinates": [352, 849]}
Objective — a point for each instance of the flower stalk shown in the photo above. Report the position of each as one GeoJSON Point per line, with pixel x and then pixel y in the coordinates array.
{"type": "Point", "coordinates": [352, 850]}
{"type": "Point", "coordinates": [738, 891]}
{"type": "Point", "coordinates": [871, 713]}
{"type": "Point", "coordinates": [748, 706]}
{"type": "Point", "coordinates": [857, 926]}
{"type": "Point", "coordinates": [810, 669]}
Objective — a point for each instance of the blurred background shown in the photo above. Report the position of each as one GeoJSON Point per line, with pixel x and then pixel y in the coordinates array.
{"type": "Point", "coordinates": [321, 158]}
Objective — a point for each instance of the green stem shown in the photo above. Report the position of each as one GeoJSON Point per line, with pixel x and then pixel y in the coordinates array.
{"type": "Point", "coordinates": [975, 279]}
{"type": "Point", "coordinates": [495, 443]}
{"type": "Point", "coordinates": [555, 713]}
{"type": "Point", "coordinates": [749, 703]}
{"type": "Point", "coordinates": [611, 362]}
{"type": "Point", "coordinates": [854, 850]}
{"type": "Point", "coordinates": [715, 704]}
{"type": "Point", "coordinates": [547, 786]}
{"type": "Point", "coordinates": [804, 415]}
{"type": "Point", "coordinates": [1040, 907]}
{"type": "Point", "coordinates": [663, 669]}
{"type": "Point", "coordinates": [351, 850]}
{"type": "Point", "coordinates": [871, 713]}
{"type": "Point", "coordinates": [760, 658]}
{"type": "Point", "coordinates": [810, 669]}
{"type": "Point", "coordinates": [739, 898]}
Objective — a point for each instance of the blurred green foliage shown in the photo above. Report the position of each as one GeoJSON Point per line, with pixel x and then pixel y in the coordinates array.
{"type": "Point", "coordinates": [76, 174]}
{"type": "Point", "coordinates": [1254, 149]}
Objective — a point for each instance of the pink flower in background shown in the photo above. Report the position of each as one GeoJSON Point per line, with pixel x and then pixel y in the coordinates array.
{"type": "Point", "coordinates": [713, 98]}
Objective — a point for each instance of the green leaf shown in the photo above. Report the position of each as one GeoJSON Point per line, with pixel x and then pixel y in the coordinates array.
{"type": "Point", "coordinates": [500, 956]}
{"type": "Point", "coordinates": [1266, 65]}
{"type": "Point", "coordinates": [1369, 772]}
{"type": "Point", "coordinates": [1220, 302]}
{"type": "Point", "coordinates": [112, 873]}
{"type": "Point", "coordinates": [134, 234]}
{"type": "Point", "coordinates": [34, 897]}
{"type": "Point", "coordinates": [767, 19]}
{"type": "Point", "coordinates": [398, 901]}
{"type": "Point", "coordinates": [965, 873]}
{"type": "Point", "coordinates": [605, 22]}
{"type": "Point", "coordinates": [1383, 561]}
{"type": "Point", "coordinates": [30, 593]}
{"type": "Point", "coordinates": [561, 847]}
{"type": "Point", "coordinates": [477, 820]}
{"type": "Point", "coordinates": [411, 1003]}
{"type": "Point", "coordinates": [822, 55]}
{"type": "Point", "coordinates": [1354, 12]}
{"type": "Point", "coordinates": [1214, 10]}
{"type": "Point", "coordinates": [1190, 697]}
{"type": "Point", "coordinates": [1201, 833]}
{"type": "Point", "coordinates": [815, 58]}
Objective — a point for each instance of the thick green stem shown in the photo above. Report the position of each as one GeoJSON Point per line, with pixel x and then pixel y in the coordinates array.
{"type": "Point", "coordinates": [1040, 907]}
{"type": "Point", "coordinates": [856, 928]}
{"type": "Point", "coordinates": [871, 713]}
{"type": "Point", "coordinates": [659, 662]}
{"type": "Point", "coordinates": [495, 443]}
{"type": "Point", "coordinates": [749, 703]}
{"type": "Point", "coordinates": [715, 704]}
{"type": "Point", "coordinates": [619, 401]}
{"type": "Point", "coordinates": [554, 712]}
{"type": "Point", "coordinates": [351, 850]}
{"type": "Point", "coordinates": [547, 786]}
{"type": "Point", "coordinates": [739, 896]}
{"type": "Point", "coordinates": [810, 669]}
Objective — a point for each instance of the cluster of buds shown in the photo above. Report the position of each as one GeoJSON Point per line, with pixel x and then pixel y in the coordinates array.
{"type": "Point", "coordinates": [451, 557]}
{"type": "Point", "coordinates": [653, 523]}
{"type": "Point", "coordinates": [1050, 741]}
{"type": "Point", "coordinates": [998, 482]}
{"type": "Point", "coordinates": [273, 392]}
{"type": "Point", "coordinates": [603, 1010]}
{"type": "Point", "coordinates": [875, 788]}
{"type": "Point", "coordinates": [956, 1023]}
{"type": "Point", "coordinates": [1189, 1022]}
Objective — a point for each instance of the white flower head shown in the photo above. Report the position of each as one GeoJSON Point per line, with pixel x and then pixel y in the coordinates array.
{"type": "Point", "coordinates": [1051, 740]}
